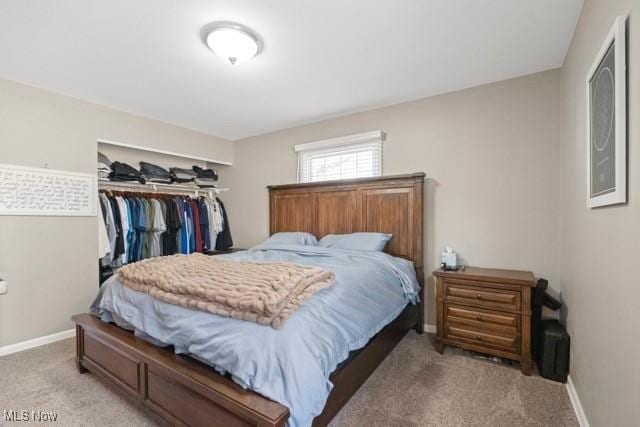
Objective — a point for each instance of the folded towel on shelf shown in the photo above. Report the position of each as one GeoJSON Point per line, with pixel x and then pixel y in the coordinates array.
{"type": "Point", "coordinates": [103, 160]}
{"type": "Point", "coordinates": [104, 166]}
{"type": "Point", "coordinates": [182, 175]}
{"type": "Point", "coordinates": [104, 173]}
{"type": "Point", "coordinates": [263, 292]}
{"type": "Point", "coordinates": [155, 173]}
{"type": "Point", "coordinates": [124, 172]}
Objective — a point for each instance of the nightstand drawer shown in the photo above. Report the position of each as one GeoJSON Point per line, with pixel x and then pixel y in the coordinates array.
{"type": "Point", "coordinates": [506, 324]}
{"type": "Point", "coordinates": [483, 338]}
{"type": "Point", "coordinates": [482, 296]}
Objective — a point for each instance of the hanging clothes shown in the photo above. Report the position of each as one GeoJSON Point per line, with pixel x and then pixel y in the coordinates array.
{"type": "Point", "coordinates": [148, 218]}
{"type": "Point", "coordinates": [173, 224]}
{"type": "Point", "coordinates": [117, 221]}
{"type": "Point", "coordinates": [104, 248]}
{"type": "Point", "coordinates": [163, 216]}
{"type": "Point", "coordinates": [158, 227]}
{"type": "Point", "coordinates": [204, 225]}
{"type": "Point", "coordinates": [186, 231]}
{"type": "Point", "coordinates": [131, 234]}
{"type": "Point", "coordinates": [215, 221]}
{"type": "Point", "coordinates": [197, 232]}
{"type": "Point", "coordinates": [105, 205]}
{"type": "Point", "coordinates": [224, 240]}
{"type": "Point", "coordinates": [124, 226]}
{"type": "Point", "coordinates": [140, 227]}
{"type": "Point", "coordinates": [133, 228]}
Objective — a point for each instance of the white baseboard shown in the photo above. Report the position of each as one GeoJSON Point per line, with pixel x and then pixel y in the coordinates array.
{"type": "Point", "coordinates": [430, 328]}
{"type": "Point", "coordinates": [575, 401]}
{"type": "Point", "coordinates": [36, 342]}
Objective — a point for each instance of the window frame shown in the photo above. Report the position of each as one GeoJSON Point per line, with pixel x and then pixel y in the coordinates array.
{"type": "Point", "coordinates": [376, 136]}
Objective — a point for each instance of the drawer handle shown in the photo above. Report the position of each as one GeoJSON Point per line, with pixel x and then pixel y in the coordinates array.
{"type": "Point", "coordinates": [479, 296]}
{"type": "Point", "coordinates": [479, 318]}
{"type": "Point", "coordinates": [478, 337]}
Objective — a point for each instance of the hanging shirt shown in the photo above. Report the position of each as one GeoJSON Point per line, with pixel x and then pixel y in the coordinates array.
{"type": "Point", "coordinates": [104, 247]}
{"type": "Point", "coordinates": [140, 226]}
{"type": "Point", "coordinates": [192, 237]}
{"type": "Point", "coordinates": [180, 211]}
{"type": "Point", "coordinates": [204, 225]}
{"type": "Point", "coordinates": [224, 240]}
{"type": "Point", "coordinates": [215, 222]}
{"type": "Point", "coordinates": [196, 225]}
{"type": "Point", "coordinates": [146, 208]}
{"type": "Point", "coordinates": [134, 232]}
{"type": "Point", "coordinates": [187, 242]}
{"type": "Point", "coordinates": [218, 221]}
{"type": "Point", "coordinates": [110, 227]}
{"type": "Point", "coordinates": [117, 221]}
{"type": "Point", "coordinates": [131, 235]}
{"type": "Point", "coordinates": [157, 228]}
{"type": "Point", "coordinates": [218, 218]}
{"type": "Point", "coordinates": [163, 213]}
{"type": "Point", "coordinates": [124, 227]}
{"type": "Point", "coordinates": [170, 243]}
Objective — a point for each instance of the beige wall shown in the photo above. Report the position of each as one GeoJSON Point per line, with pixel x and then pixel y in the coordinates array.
{"type": "Point", "coordinates": [506, 188]}
{"type": "Point", "coordinates": [601, 246]}
{"type": "Point", "coordinates": [490, 154]}
{"type": "Point", "coordinates": [51, 261]}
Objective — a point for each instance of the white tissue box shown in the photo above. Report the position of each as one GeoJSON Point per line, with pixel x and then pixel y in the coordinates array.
{"type": "Point", "coordinates": [450, 259]}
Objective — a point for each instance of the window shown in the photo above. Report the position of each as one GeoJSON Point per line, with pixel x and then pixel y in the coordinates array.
{"type": "Point", "coordinates": [354, 156]}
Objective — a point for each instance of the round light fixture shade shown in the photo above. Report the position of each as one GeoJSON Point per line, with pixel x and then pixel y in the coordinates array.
{"type": "Point", "coordinates": [231, 41]}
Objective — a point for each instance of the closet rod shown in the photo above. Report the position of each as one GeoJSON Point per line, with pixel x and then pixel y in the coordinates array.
{"type": "Point", "coordinates": [105, 184]}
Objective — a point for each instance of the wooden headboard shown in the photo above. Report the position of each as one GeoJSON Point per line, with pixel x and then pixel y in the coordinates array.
{"type": "Point", "coordinates": [389, 204]}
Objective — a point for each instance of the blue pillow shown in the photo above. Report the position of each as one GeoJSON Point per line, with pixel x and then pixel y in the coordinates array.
{"type": "Point", "coordinates": [356, 241]}
{"type": "Point", "coordinates": [292, 238]}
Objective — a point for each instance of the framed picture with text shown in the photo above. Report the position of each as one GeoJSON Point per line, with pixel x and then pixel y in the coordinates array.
{"type": "Point", "coordinates": [607, 121]}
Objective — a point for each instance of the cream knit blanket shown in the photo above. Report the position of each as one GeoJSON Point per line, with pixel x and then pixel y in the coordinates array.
{"type": "Point", "coordinates": [262, 292]}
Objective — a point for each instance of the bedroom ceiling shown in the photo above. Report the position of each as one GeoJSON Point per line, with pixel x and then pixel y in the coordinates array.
{"type": "Point", "coordinates": [321, 58]}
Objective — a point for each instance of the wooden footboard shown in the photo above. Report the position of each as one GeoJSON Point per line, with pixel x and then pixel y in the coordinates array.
{"type": "Point", "coordinates": [181, 391]}
{"type": "Point", "coordinates": [177, 389]}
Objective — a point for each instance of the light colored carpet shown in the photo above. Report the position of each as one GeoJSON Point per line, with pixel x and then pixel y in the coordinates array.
{"type": "Point", "coordinates": [415, 386]}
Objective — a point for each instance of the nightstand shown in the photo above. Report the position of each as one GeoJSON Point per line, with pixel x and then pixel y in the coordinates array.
{"type": "Point", "coordinates": [486, 310]}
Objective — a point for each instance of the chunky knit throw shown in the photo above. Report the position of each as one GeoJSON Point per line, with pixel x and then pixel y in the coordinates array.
{"type": "Point", "coordinates": [263, 292]}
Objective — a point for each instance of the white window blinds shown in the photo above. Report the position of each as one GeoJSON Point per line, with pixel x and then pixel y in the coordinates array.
{"type": "Point", "coordinates": [354, 156]}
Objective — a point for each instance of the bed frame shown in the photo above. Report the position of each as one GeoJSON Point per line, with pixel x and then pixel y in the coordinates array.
{"type": "Point", "coordinates": [178, 390]}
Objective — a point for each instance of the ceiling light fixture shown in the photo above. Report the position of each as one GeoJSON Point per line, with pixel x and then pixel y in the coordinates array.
{"type": "Point", "coordinates": [231, 41]}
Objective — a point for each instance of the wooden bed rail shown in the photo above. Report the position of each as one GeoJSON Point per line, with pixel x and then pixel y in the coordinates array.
{"type": "Point", "coordinates": [175, 389]}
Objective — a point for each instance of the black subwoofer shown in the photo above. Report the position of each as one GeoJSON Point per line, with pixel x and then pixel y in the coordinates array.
{"type": "Point", "coordinates": [553, 351]}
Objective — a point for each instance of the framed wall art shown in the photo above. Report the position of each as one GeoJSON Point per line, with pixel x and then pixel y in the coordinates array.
{"type": "Point", "coordinates": [47, 192]}
{"type": "Point", "coordinates": [607, 121]}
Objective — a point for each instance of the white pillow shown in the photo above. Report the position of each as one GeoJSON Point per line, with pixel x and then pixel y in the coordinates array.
{"type": "Point", "coordinates": [292, 238]}
{"type": "Point", "coordinates": [356, 241]}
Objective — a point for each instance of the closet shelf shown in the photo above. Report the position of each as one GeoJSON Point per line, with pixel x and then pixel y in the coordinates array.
{"type": "Point", "coordinates": [105, 184]}
{"type": "Point", "coordinates": [165, 152]}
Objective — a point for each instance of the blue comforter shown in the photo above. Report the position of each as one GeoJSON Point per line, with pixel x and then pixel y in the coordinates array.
{"type": "Point", "coordinates": [291, 365]}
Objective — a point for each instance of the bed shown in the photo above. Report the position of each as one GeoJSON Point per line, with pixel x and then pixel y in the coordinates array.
{"type": "Point", "coordinates": [184, 390]}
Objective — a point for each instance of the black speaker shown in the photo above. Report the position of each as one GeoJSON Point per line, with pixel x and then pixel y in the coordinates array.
{"type": "Point", "coordinates": [553, 351]}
